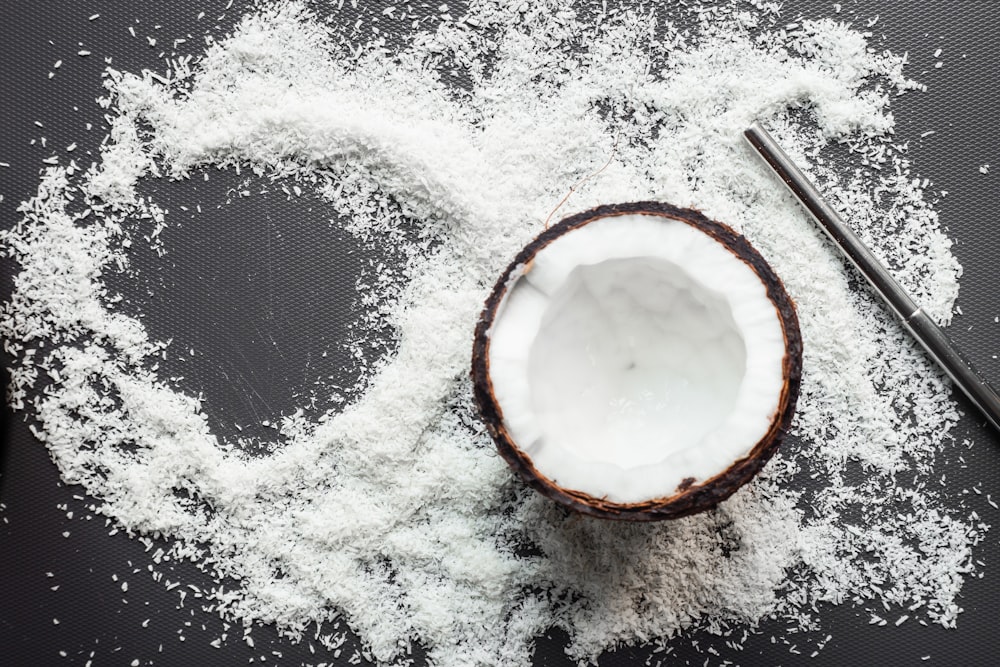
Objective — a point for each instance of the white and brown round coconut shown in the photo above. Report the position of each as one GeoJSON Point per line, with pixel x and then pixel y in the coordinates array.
{"type": "Point", "coordinates": [638, 361]}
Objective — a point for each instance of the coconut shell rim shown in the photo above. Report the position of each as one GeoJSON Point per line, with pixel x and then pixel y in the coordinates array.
{"type": "Point", "coordinates": [689, 498]}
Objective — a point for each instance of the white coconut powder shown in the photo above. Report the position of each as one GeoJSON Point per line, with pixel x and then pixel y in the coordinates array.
{"type": "Point", "coordinates": [393, 512]}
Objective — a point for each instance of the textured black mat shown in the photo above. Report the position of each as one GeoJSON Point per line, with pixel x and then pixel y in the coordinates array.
{"type": "Point", "coordinates": [265, 319]}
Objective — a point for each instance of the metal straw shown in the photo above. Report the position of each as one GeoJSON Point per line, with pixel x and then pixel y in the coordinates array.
{"type": "Point", "coordinates": [923, 328]}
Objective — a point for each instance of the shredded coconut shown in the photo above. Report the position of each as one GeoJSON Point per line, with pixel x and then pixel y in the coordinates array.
{"type": "Point", "coordinates": [392, 511]}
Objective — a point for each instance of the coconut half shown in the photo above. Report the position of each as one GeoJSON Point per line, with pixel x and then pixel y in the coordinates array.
{"type": "Point", "coordinates": [638, 361]}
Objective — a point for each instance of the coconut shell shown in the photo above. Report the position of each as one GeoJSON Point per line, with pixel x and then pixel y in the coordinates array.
{"type": "Point", "coordinates": [689, 497]}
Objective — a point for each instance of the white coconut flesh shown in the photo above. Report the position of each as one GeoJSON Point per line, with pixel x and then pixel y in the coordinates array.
{"type": "Point", "coordinates": [634, 353]}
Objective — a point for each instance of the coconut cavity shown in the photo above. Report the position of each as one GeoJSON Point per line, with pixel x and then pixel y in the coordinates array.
{"type": "Point", "coordinates": [633, 361]}
{"type": "Point", "coordinates": [634, 354]}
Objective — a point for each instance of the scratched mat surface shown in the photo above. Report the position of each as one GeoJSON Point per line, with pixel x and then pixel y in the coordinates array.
{"type": "Point", "coordinates": [260, 304]}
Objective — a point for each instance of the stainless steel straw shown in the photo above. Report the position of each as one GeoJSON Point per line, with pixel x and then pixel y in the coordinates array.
{"type": "Point", "coordinates": [923, 328]}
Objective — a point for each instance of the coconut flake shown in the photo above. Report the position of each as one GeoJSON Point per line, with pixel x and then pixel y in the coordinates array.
{"type": "Point", "coordinates": [393, 512]}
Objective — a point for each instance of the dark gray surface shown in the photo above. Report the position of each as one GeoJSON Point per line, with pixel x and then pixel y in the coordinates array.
{"type": "Point", "coordinates": [264, 318]}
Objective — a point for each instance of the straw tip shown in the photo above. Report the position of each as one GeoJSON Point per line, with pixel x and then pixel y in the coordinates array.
{"type": "Point", "coordinates": [755, 128]}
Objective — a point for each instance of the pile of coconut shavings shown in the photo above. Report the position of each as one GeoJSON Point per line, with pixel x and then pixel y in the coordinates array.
{"type": "Point", "coordinates": [394, 513]}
